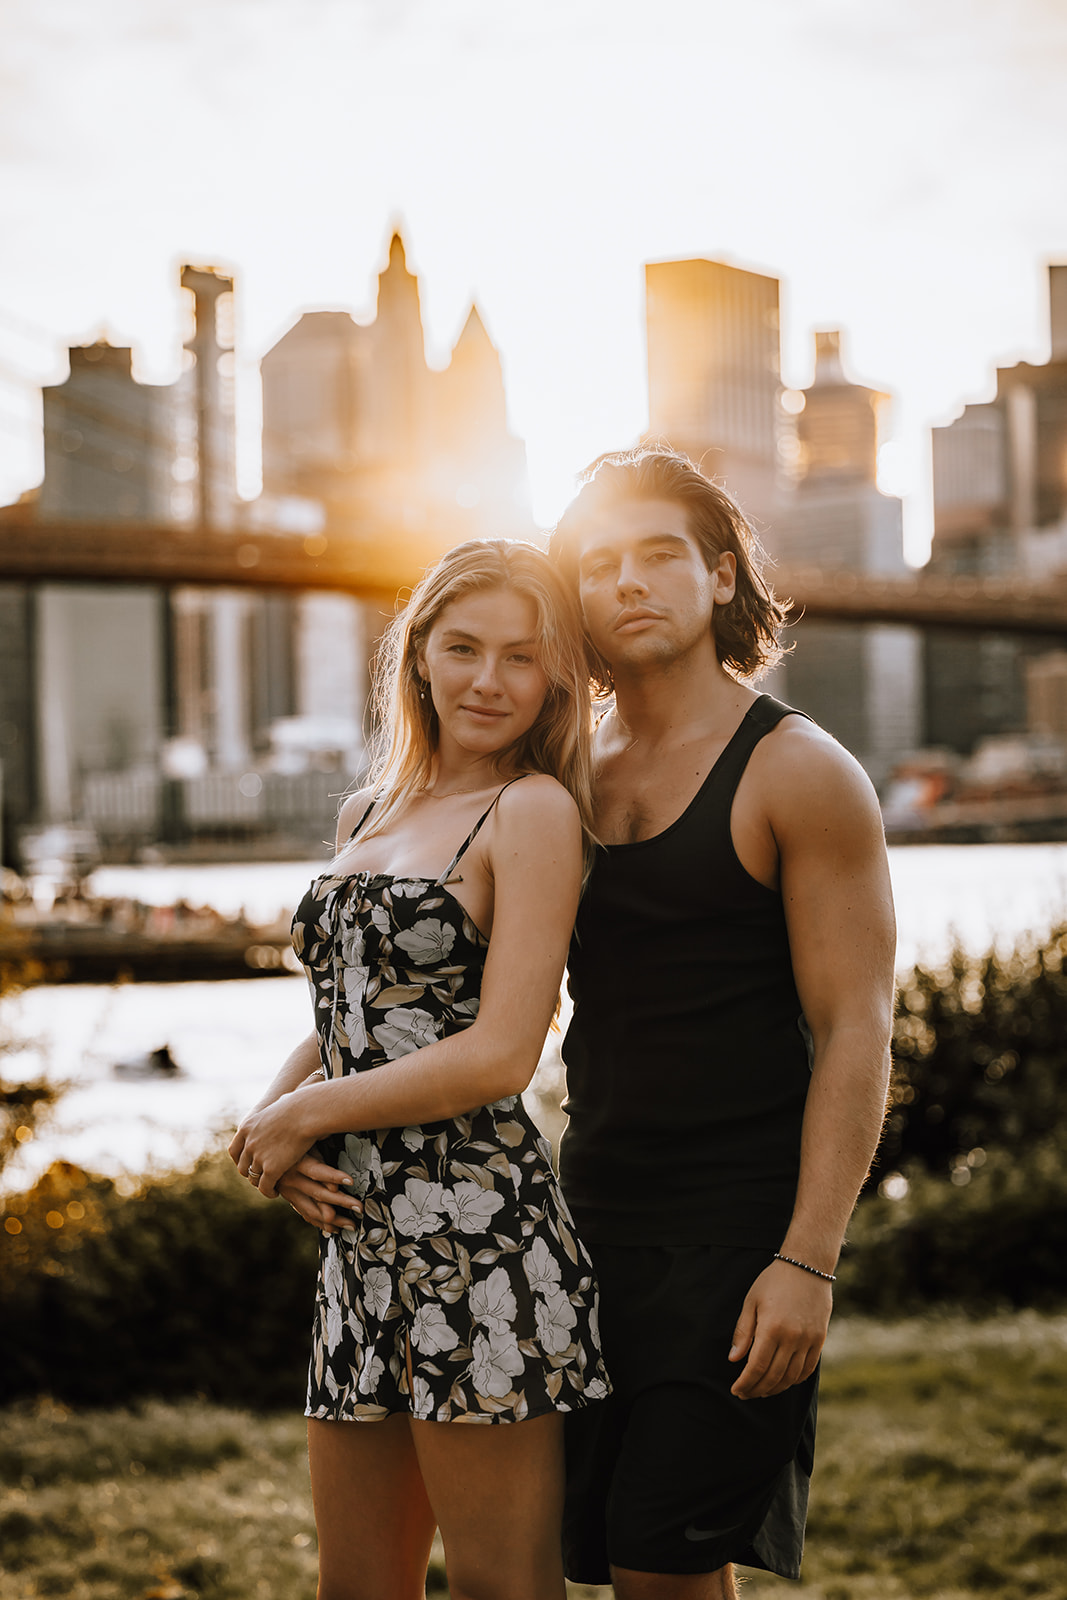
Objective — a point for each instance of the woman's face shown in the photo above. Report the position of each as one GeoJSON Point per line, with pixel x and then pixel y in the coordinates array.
{"type": "Point", "coordinates": [481, 660]}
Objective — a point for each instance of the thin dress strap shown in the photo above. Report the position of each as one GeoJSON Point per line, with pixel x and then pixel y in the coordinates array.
{"type": "Point", "coordinates": [469, 840]}
{"type": "Point", "coordinates": [359, 824]}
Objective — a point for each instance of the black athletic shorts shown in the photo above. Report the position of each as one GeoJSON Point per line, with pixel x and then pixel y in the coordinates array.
{"type": "Point", "coordinates": [671, 1473]}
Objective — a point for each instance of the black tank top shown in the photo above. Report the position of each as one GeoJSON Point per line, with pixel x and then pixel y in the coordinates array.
{"type": "Point", "coordinates": [687, 1057]}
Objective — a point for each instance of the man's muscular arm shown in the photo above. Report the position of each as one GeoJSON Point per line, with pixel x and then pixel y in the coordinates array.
{"type": "Point", "coordinates": [838, 906]}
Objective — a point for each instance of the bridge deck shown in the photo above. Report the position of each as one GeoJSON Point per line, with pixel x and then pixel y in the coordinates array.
{"type": "Point", "coordinates": [377, 564]}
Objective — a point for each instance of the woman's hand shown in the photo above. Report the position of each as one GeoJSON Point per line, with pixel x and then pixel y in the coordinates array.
{"type": "Point", "coordinates": [319, 1194]}
{"type": "Point", "coordinates": [272, 1139]}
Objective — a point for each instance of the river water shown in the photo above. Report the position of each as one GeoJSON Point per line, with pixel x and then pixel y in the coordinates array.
{"type": "Point", "coordinates": [230, 1038]}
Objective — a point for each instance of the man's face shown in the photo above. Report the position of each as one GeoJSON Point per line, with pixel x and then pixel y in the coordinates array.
{"type": "Point", "coordinates": [646, 592]}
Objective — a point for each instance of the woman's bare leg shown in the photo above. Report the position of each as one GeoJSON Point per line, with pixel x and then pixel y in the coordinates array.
{"type": "Point", "coordinates": [497, 1493]}
{"type": "Point", "coordinates": [374, 1522]}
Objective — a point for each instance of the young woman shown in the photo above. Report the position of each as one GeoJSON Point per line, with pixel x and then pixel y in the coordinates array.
{"type": "Point", "coordinates": [456, 1311]}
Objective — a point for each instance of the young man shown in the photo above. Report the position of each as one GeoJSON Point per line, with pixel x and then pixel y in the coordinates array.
{"type": "Point", "coordinates": [727, 1064]}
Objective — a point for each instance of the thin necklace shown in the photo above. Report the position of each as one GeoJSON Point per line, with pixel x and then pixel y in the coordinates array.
{"type": "Point", "coordinates": [431, 796]}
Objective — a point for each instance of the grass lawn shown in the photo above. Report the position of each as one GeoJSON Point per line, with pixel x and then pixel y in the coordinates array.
{"type": "Point", "coordinates": [942, 1472]}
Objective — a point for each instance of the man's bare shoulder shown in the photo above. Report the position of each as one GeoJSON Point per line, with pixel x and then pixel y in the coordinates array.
{"type": "Point", "coordinates": [816, 781]}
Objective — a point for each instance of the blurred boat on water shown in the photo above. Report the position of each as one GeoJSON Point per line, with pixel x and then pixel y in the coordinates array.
{"type": "Point", "coordinates": [158, 1063]}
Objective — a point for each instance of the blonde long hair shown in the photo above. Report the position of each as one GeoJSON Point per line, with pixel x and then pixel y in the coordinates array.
{"type": "Point", "coordinates": [406, 729]}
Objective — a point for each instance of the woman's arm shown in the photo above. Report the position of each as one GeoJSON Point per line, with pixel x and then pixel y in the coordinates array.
{"type": "Point", "coordinates": [310, 1186]}
{"type": "Point", "coordinates": [297, 1066]}
{"type": "Point", "coordinates": [535, 854]}
{"type": "Point", "coordinates": [305, 1059]}
{"type": "Point", "coordinates": [313, 1189]}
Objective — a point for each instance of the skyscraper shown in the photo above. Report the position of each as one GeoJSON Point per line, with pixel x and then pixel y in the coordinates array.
{"type": "Point", "coordinates": [806, 480]}
{"type": "Point", "coordinates": [355, 419]}
{"type": "Point", "coordinates": [860, 683]}
{"type": "Point", "coordinates": [1000, 506]}
{"type": "Point", "coordinates": [714, 375]}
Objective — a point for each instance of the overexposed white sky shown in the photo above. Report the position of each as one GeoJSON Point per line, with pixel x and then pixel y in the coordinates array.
{"type": "Point", "coordinates": [901, 165]}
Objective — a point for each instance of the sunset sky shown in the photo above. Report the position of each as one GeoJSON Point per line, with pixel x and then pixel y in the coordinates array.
{"type": "Point", "coordinates": [901, 166]}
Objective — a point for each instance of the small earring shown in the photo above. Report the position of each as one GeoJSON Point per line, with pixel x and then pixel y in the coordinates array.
{"type": "Point", "coordinates": [422, 689]}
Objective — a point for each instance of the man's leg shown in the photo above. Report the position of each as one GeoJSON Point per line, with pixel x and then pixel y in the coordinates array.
{"type": "Point", "coordinates": [670, 1586]}
{"type": "Point", "coordinates": [693, 1479]}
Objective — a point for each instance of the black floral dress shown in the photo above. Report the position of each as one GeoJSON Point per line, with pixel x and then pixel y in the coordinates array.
{"type": "Point", "coordinates": [465, 1256]}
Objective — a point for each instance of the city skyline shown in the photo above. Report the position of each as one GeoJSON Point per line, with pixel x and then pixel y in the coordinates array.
{"type": "Point", "coordinates": [901, 175]}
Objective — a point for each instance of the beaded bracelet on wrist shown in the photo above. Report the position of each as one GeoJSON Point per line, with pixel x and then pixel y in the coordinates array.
{"type": "Point", "coordinates": [828, 1277]}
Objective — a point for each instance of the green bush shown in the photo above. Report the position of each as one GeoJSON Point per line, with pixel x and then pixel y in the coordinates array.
{"type": "Point", "coordinates": [976, 1135]}
{"type": "Point", "coordinates": [191, 1285]}
{"type": "Point", "coordinates": [980, 1056]}
{"type": "Point", "coordinates": [994, 1235]}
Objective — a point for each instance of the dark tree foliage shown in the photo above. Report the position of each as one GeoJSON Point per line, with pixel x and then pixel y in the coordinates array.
{"type": "Point", "coordinates": [980, 1057]}
{"type": "Point", "coordinates": [997, 1240]}
{"type": "Point", "coordinates": [191, 1285]}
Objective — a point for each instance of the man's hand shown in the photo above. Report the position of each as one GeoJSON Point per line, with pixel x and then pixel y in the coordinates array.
{"type": "Point", "coordinates": [320, 1194]}
{"type": "Point", "coordinates": [781, 1329]}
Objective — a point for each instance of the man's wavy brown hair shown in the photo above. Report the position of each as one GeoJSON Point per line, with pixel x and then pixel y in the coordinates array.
{"type": "Point", "coordinates": [746, 628]}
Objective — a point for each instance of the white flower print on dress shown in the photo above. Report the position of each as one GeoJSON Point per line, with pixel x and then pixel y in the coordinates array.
{"type": "Point", "coordinates": [362, 1160]}
{"type": "Point", "coordinates": [496, 1360]}
{"type": "Point", "coordinates": [431, 1331]}
{"type": "Point", "coordinates": [377, 1291]}
{"type": "Point", "coordinates": [353, 1020]}
{"type": "Point", "coordinates": [413, 1138]}
{"type": "Point", "coordinates": [555, 1318]}
{"type": "Point", "coordinates": [406, 1028]}
{"type": "Point", "coordinates": [355, 1027]}
{"type": "Point", "coordinates": [593, 1315]}
{"type": "Point", "coordinates": [470, 1207]}
{"type": "Point", "coordinates": [493, 1303]}
{"type": "Point", "coordinates": [421, 1398]}
{"type": "Point", "coordinates": [335, 1325]}
{"type": "Point", "coordinates": [333, 1270]}
{"type": "Point", "coordinates": [541, 1268]}
{"type": "Point", "coordinates": [409, 888]}
{"type": "Point", "coordinates": [353, 945]}
{"type": "Point", "coordinates": [371, 1375]}
{"type": "Point", "coordinates": [417, 1211]}
{"type": "Point", "coordinates": [428, 942]}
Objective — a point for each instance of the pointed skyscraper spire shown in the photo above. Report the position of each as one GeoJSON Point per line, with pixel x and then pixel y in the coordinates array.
{"type": "Point", "coordinates": [474, 331]}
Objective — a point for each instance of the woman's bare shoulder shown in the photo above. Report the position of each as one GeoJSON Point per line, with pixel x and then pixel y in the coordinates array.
{"type": "Point", "coordinates": [538, 803]}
